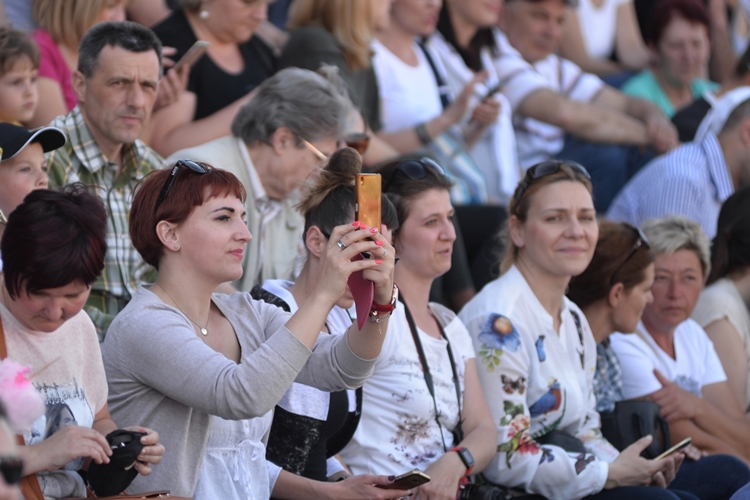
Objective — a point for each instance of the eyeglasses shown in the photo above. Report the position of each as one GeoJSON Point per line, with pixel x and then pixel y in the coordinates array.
{"type": "Point", "coordinates": [413, 169]}
{"type": "Point", "coordinates": [321, 155]}
{"type": "Point", "coordinates": [11, 468]}
{"type": "Point", "coordinates": [640, 241]}
{"type": "Point", "coordinates": [547, 168]}
{"type": "Point", "coordinates": [196, 167]}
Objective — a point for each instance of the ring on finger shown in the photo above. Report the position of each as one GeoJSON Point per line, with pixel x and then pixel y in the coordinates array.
{"type": "Point", "coordinates": [385, 252]}
{"type": "Point", "coordinates": [341, 244]}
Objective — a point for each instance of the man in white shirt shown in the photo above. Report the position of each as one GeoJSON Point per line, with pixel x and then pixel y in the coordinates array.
{"type": "Point", "coordinates": [560, 111]}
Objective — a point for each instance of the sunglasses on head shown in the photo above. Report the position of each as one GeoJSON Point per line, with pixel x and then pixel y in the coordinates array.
{"type": "Point", "coordinates": [547, 168]}
{"type": "Point", "coordinates": [413, 169]}
{"type": "Point", "coordinates": [11, 468]}
{"type": "Point", "coordinates": [640, 241]}
{"type": "Point", "coordinates": [196, 167]}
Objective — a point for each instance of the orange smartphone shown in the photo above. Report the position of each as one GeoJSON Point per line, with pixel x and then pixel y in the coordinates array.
{"type": "Point", "coordinates": [367, 190]}
{"type": "Point", "coordinates": [411, 479]}
{"type": "Point", "coordinates": [192, 55]}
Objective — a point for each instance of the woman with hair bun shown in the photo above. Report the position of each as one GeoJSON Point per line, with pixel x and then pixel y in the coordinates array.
{"type": "Point", "coordinates": [613, 292]}
{"type": "Point", "coordinates": [722, 308]}
{"type": "Point", "coordinates": [310, 425]}
{"type": "Point", "coordinates": [208, 368]}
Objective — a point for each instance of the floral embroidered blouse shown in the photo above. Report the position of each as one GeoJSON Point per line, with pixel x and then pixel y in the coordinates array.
{"type": "Point", "coordinates": [537, 380]}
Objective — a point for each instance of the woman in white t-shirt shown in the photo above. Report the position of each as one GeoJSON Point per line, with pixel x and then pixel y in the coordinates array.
{"type": "Point", "coordinates": [723, 307]}
{"type": "Point", "coordinates": [537, 353]}
{"type": "Point", "coordinates": [414, 407]}
{"type": "Point", "coordinates": [670, 359]}
{"type": "Point", "coordinates": [54, 247]}
{"type": "Point", "coordinates": [596, 30]}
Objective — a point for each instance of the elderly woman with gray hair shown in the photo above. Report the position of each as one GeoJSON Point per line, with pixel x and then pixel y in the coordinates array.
{"type": "Point", "coordinates": [670, 359]}
{"type": "Point", "coordinates": [285, 133]}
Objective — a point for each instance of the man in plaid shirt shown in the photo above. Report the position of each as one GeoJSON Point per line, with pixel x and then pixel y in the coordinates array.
{"type": "Point", "coordinates": [116, 83]}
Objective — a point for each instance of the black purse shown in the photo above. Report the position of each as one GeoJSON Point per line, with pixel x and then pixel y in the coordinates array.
{"type": "Point", "coordinates": [112, 478]}
{"type": "Point", "coordinates": [632, 420]}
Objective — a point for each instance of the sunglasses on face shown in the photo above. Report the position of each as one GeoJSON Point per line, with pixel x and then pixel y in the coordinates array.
{"type": "Point", "coordinates": [11, 468]}
{"type": "Point", "coordinates": [547, 168]}
{"type": "Point", "coordinates": [413, 169]}
{"type": "Point", "coordinates": [640, 241]}
{"type": "Point", "coordinates": [196, 167]}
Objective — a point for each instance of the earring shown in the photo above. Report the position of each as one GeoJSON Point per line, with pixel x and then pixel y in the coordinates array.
{"type": "Point", "coordinates": [204, 14]}
{"type": "Point", "coordinates": [177, 247]}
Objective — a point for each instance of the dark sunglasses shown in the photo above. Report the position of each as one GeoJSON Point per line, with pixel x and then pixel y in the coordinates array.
{"type": "Point", "coordinates": [192, 165]}
{"type": "Point", "coordinates": [11, 467]}
{"type": "Point", "coordinates": [640, 241]}
{"type": "Point", "coordinates": [413, 169]}
{"type": "Point", "coordinates": [547, 168]}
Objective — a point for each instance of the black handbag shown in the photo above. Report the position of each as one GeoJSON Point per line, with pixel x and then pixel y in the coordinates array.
{"type": "Point", "coordinates": [632, 420]}
{"type": "Point", "coordinates": [112, 478]}
{"type": "Point", "coordinates": [562, 439]}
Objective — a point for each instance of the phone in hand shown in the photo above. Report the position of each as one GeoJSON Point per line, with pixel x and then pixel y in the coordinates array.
{"type": "Point", "coordinates": [679, 446]}
{"type": "Point", "coordinates": [367, 193]}
{"type": "Point", "coordinates": [492, 91]}
{"type": "Point", "coordinates": [192, 55]}
{"type": "Point", "coordinates": [411, 479]}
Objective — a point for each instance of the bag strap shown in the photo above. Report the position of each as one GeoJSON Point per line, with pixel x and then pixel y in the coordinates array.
{"type": "Point", "coordinates": [426, 368]}
{"type": "Point", "coordinates": [29, 485]}
{"type": "Point", "coordinates": [443, 89]}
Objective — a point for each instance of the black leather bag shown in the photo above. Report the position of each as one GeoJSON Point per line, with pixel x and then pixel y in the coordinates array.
{"type": "Point", "coordinates": [562, 439]}
{"type": "Point", "coordinates": [632, 420]}
{"type": "Point", "coordinates": [112, 478]}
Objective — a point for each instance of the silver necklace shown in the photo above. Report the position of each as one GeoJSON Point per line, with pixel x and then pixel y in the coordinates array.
{"type": "Point", "coordinates": [203, 329]}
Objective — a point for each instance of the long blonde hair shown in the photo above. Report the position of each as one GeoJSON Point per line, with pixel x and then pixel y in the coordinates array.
{"type": "Point", "coordinates": [67, 20]}
{"type": "Point", "coordinates": [349, 21]}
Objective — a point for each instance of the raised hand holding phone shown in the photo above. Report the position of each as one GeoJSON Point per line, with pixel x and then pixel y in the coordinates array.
{"type": "Point", "coordinates": [367, 190]}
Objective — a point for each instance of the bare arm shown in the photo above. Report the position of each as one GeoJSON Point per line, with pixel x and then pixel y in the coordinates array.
{"type": "Point", "coordinates": [479, 431]}
{"type": "Point", "coordinates": [731, 352]}
{"type": "Point", "coordinates": [629, 45]}
{"type": "Point", "coordinates": [174, 128]}
{"type": "Point", "coordinates": [702, 440]}
{"type": "Point", "coordinates": [661, 132]}
{"type": "Point", "coordinates": [723, 59]}
{"type": "Point", "coordinates": [588, 121]}
{"type": "Point", "coordinates": [573, 47]}
{"type": "Point", "coordinates": [292, 487]}
{"type": "Point", "coordinates": [51, 103]}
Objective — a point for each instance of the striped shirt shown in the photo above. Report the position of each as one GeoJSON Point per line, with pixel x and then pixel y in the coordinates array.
{"type": "Point", "coordinates": [538, 141]}
{"type": "Point", "coordinates": [692, 180]}
{"type": "Point", "coordinates": [82, 160]}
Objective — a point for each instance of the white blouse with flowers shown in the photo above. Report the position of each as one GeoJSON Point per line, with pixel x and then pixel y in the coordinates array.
{"type": "Point", "coordinates": [535, 381]}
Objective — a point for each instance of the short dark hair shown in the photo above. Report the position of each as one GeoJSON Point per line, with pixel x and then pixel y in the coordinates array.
{"type": "Point", "coordinates": [666, 10]}
{"type": "Point", "coordinates": [613, 262]}
{"type": "Point", "coordinates": [54, 238]}
{"type": "Point", "coordinates": [14, 45]}
{"type": "Point", "coordinates": [730, 248]}
{"type": "Point", "coordinates": [190, 190]}
{"type": "Point", "coordinates": [127, 35]}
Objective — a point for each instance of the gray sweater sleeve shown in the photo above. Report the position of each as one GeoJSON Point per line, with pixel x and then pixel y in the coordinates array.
{"type": "Point", "coordinates": [158, 348]}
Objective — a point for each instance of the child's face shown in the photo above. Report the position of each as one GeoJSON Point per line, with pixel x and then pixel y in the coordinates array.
{"type": "Point", "coordinates": [21, 175]}
{"type": "Point", "coordinates": [18, 92]}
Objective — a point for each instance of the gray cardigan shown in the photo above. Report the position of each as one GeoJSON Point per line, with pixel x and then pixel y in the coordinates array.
{"type": "Point", "coordinates": [162, 376]}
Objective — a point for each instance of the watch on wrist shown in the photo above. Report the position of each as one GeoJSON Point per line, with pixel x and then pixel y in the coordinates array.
{"type": "Point", "coordinates": [465, 455]}
{"type": "Point", "coordinates": [386, 308]}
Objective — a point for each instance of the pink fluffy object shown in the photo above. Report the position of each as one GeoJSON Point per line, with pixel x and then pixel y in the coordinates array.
{"type": "Point", "coordinates": [21, 400]}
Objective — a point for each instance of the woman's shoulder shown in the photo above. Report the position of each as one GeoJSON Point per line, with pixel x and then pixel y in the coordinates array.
{"type": "Point", "coordinates": [175, 31]}
{"type": "Point", "coordinates": [716, 302]}
{"type": "Point", "coordinates": [642, 83]}
{"type": "Point", "coordinates": [500, 296]}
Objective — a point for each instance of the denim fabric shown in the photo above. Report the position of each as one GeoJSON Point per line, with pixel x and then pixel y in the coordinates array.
{"type": "Point", "coordinates": [716, 477]}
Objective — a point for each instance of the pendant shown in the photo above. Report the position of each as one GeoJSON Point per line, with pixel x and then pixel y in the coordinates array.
{"type": "Point", "coordinates": [204, 331]}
